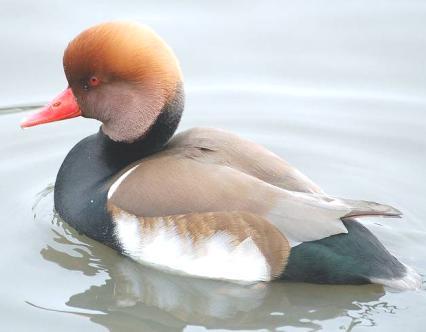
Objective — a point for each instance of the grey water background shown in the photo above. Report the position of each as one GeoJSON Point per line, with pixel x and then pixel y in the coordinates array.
{"type": "Point", "coordinates": [336, 88]}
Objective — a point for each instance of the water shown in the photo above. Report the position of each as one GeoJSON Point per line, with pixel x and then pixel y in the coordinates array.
{"type": "Point", "coordinates": [338, 89]}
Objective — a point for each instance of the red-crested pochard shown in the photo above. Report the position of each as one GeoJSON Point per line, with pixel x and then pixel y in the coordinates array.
{"type": "Point", "coordinates": [206, 202]}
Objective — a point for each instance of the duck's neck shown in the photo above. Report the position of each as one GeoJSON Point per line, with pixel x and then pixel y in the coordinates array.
{"type": "Point", "coordinates": [82, 182]}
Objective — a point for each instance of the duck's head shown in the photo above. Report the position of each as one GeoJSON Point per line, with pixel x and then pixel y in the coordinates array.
{"type": "Point", "coordinates": [122, 74]}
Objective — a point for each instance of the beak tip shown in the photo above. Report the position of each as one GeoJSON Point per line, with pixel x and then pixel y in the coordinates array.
{"type": "Point", "coordinates": [24, 123]}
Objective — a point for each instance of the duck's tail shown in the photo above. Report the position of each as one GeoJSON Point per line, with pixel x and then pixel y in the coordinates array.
{"type": "Point", "coordinates": [367, 208]}
{"type": "Point", "coordinates": [353, 258]}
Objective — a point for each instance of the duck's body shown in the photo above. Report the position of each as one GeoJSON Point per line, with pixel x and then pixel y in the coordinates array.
{"type": "Point", "coordinates": [87, 196]}
{"type": "Point", "coordinates": [206, 202]}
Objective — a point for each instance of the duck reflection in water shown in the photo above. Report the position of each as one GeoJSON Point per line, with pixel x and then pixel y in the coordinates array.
{"type": "Point", "coordinates": [137, 296]}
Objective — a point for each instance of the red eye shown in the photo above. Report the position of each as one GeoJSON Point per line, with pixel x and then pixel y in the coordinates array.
{"type": "Point", "coordinates": [94, 81]}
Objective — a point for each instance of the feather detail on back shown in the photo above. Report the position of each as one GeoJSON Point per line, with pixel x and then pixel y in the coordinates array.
{"type": "Point", "coordinates": [225, 148]}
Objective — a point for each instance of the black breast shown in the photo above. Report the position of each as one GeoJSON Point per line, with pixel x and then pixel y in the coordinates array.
{"type": "Point", "coordinates": [81, 186]}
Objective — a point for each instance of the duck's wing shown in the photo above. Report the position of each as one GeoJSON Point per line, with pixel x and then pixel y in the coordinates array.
{"type": "Point", "coordinates": [216, 146]}
{"type": "Point", "coordinates": [236, 246]}
{"type": "Point", "coordinates": [171, 183]}
{"type": "Point", "coordinates": [225, 148]}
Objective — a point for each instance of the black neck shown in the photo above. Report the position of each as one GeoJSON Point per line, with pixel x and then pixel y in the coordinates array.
{"type": "Point", "coordinates": [82, 182]}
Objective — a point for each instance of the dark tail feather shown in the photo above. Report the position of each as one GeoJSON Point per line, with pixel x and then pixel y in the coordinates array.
{"type": "Point", "coordinates": [353, 258]}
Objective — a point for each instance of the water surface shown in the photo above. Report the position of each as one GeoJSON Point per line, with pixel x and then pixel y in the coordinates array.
{"type": "Point", "coordinates": [336, 89]}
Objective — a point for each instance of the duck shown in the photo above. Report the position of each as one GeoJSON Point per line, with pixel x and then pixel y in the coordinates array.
{"type": "Point", "coordinates": [205, 203]}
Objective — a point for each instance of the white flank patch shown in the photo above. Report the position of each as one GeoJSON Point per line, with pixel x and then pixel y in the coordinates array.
{"type": "Point", "coordinates": [411, 281]}
{"type": "Point", "coordinates": [117, 182]}
{"type": "Point", "coordinates": [215, 257]}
